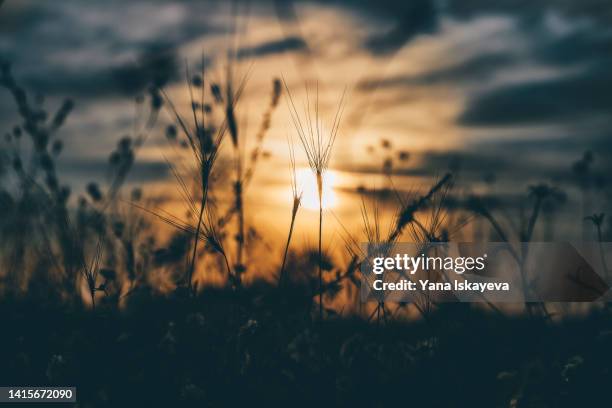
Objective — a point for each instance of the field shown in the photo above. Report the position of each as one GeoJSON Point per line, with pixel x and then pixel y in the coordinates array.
{"type": "Point", "coordinates": [214, 256]}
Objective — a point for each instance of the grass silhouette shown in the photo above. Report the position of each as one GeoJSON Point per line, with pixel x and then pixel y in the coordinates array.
{"type": "Point", "coordinates": [317, 144]}
{"type": "Point", "coordinates": [98, 300]}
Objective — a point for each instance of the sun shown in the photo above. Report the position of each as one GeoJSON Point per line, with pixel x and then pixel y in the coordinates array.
{"type": "Point", "coordinates": [307, 184]}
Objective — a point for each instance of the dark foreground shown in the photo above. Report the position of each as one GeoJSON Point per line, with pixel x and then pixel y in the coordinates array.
{"type": "Point", "coordinates": [225, 349]}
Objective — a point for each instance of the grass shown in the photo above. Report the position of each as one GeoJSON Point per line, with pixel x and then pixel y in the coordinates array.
{"type": "Point", "coordinates": [204, 147]}
{"type": "Point", "coordinates": [61, 237]}
{"type": "Point", "coordinates": [297, 199]}
{"type": "Point", "coordinates": [317, 144]}
{"type": "Point", "coordinates": [265, 337]}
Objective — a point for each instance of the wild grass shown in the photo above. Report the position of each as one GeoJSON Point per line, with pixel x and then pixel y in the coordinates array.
{"type": "Point", "coordinates": [90, 274]}
{"type": "Point", "coordinates": [243, 170]}
{"type": "Point", "coordinates": [96, 244]}
{"type": "Point", "coordinates": [382, 243]}
{"type": "Point", "coordinates": [49, 232]}
{"type": "Point", "coordinates": [204, 143]}
{"type": "Point", "coordinates": [317, 143]}
{"type": "Point", "coordinates": [297, 199]}
{"type": "Point", "coordinates": [598, 220]}
{"type": "Point", "coordinates": [36, 198]}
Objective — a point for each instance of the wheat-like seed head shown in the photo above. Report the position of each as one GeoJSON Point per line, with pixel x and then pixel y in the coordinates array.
{"type": "Point", "coordinates": [316, 144]}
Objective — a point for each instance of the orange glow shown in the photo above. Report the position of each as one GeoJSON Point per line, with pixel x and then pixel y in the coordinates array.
{"type": "Point", "coordinates": [307, 184]}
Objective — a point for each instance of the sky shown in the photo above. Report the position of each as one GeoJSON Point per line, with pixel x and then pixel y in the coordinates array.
{"type": "Point", "coordinates": [516, 88]}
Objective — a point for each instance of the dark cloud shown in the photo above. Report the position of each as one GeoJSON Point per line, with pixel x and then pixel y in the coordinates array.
{"type": "Point", "coordinates": [14, 19]}
{"type": "Point", "coordinates": [405, 20]}
{"type": "Point", "coordinates": [478, 68]}
{"type": "Point", "coordinates": [471, 162]}
{"type": "Point", "coordinates": [471, 165]}
{"type": "Point", "coordinates": [580, 46]}
{"type": "Point", "coordinates": [273, 47]}
{"type": "Point", "coordinates": [586, 92]}
{"type": "Point", "coordinates": [570, 145]}
{"type": "Point", "coordinates": [153, 67]}
{"type": "Point", "coordinates": [408, 19]}
{"type": "Point", "coordinates": [53, 52]}
{"type": "Point", "coordinates": [398, 21]}
{"type": "Point", "coordinates": [412, 18]}
{"type": "Point", "coordinates": [531, 12]}
{"type": "Point", "coordinates": [96, 169]}
{"type": "Point", "coordinates": [560, 100]}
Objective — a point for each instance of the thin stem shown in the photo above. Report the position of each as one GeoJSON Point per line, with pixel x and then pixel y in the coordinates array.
{"type": "Point", "coordinates": [320, 259]}
{"type": "Point", "coordinates": [240, 207]}
{"type": "Point", "coordinates": [489, 217]}
{"type": "Point", "coordinates": [601, 252]}
{"type": "Point", "coordinates": [282, 271]}
{"type": "Point", "coordinates": [93, 299]}
{"type": "Point", "coordinates": [533, 219]}
{"type": "Point", "coordinates": [227, 265]}
{"type": "Point", "coordinates": [196, 239]}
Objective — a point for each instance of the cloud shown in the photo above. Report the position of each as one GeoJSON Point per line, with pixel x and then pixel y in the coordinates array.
{"type": "Point", "coordinates": [397, 21]}
{"type": "Point", "coordinates": [408, 19]}
{"type": "Point", "coordinates": [96, 169]}
{"type": "Point", "coordinates": [92, 49]}
{"type": "Point", "coordinates": [557, 117]}
{"type": "Point", "coordinates": [531, 12]}
{"type": "Point", "coordinates": [580, 54]}
{"type": "Point", "coordinates": [579, 46]}
{"type": "Point", "coordinates": [20, 18]}
{"type": "Point", "coordinates": [153, 66]}
{"type": "Point", "coordinates": [564, 99]}
{"type": "Point", "coordinates": [478, 68]}
{"type": "Point", "coordinates": [570, 145]}
{"type": "Point", "coordinates": [273, 47]}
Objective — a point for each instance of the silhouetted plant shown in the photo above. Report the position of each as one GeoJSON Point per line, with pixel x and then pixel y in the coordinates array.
{"type": "Point", "coordinates": [540, 193]}
{"type": "Point", "coordinates": [204, 142]}
{"type": "Point", "coordinates": [297, 198]}
{"type": "Point", "coordinates": [90, 274]}
{"type": "Point", "coordinates": [317, 144]}
{"type": "Point", "coordinates": [597, 220]}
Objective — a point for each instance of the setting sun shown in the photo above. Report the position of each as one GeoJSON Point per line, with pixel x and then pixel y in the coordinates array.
{"type": "Point", "coordinates": [307, 184]}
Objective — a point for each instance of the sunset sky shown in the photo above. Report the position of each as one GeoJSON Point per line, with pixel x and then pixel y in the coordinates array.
{"type": "Point", "coordinates": [516, 88]}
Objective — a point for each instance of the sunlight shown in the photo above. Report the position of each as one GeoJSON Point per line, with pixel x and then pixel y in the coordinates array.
{"type": "Point", "coordinates": [308, 185]}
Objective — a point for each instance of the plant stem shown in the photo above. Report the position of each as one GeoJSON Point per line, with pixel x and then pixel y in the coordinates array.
{"type": "Point", "coordinates": [240, 210]}
{"type": "Point", "coordinates": [227, 265]}
{"type": "Point", "coordinates": [320, 260]}
{"type": "Point", "coordinates": [282, 271]}
{"type": "Point", "coordinates": [601, 252]}
{"type": "Point", "coordinates": [241, 229]}
{"type": "Point", "coordinates": [196, 239]}
{"type": "Point", "coordinates": [533, 219]}
{"type": "Point", "coordinates": [93, 299]}
{"type": "Point", "coordinates": [319, 177]}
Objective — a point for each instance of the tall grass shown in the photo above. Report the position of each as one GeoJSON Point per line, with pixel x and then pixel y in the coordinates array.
{"type": "Point", "coordinates": [539, 193]}
{"type": "Point", "coordinates": [90, 274]}
{"type": "Point", "coordinates": [243, 170]}
{"type": "Point", "coordinates": [317, 143]}
{"type": "Point", "coordinates": [204, 141]}
{"type": "Point", "coordinates": [44, 233]}
{"type": "Point", "coordinates": [41, 203]}
{"type": "Point", "coordinates": [297, 199]}
{"type": "Point", "coordinates": [597, 220]}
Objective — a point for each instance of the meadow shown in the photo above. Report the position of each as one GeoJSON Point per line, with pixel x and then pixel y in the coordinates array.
{"type": "Point", "coordinates": [94, 295]}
